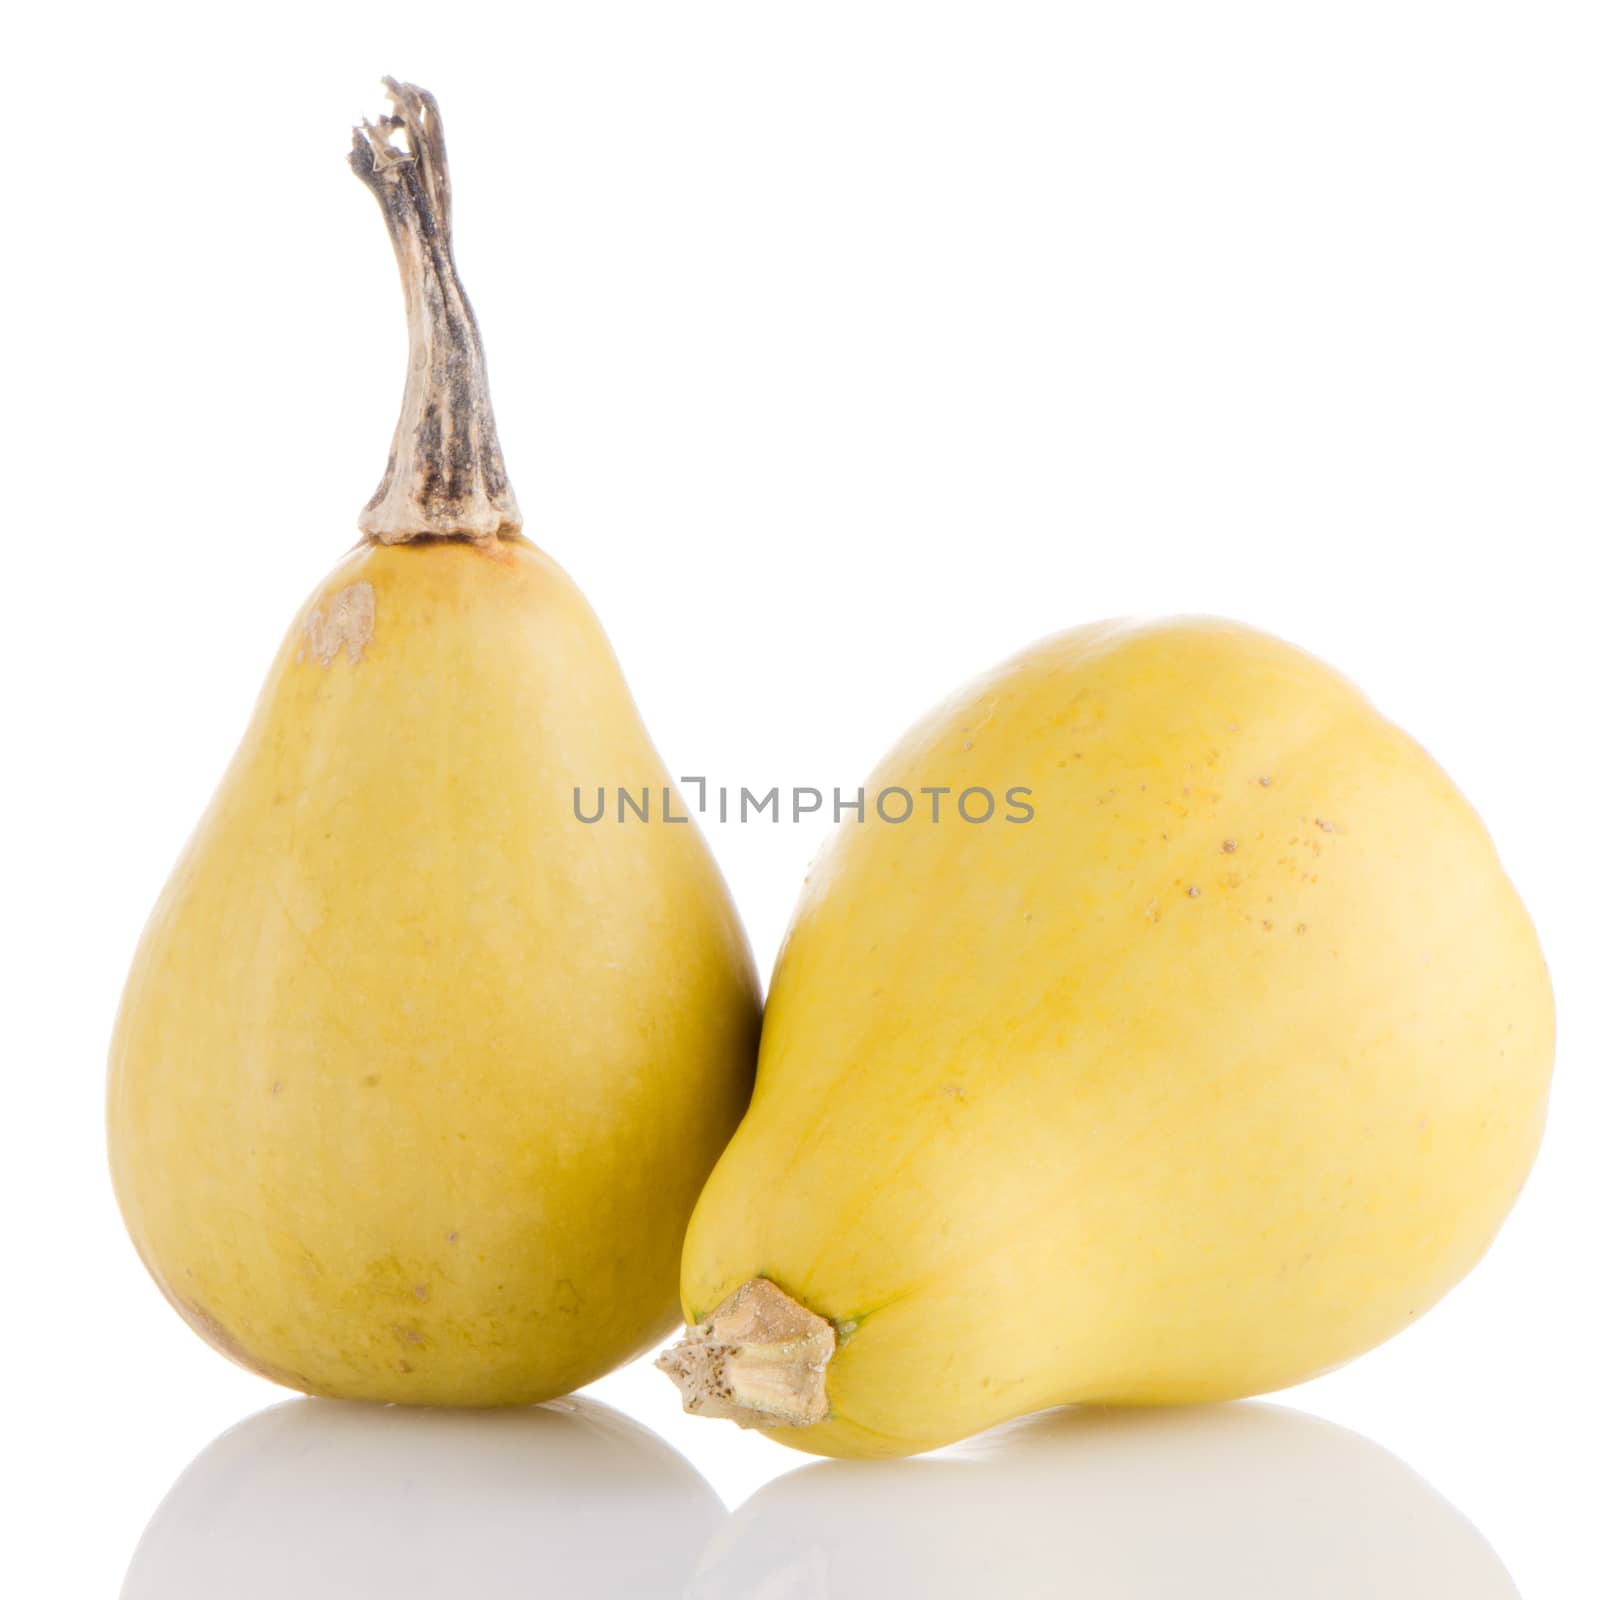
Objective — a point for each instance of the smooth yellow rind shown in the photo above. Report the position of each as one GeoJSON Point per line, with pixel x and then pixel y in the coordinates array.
{"type": "Point", "coordinates": [416, 1076]}
{"type": "Point", "coordinates": [1213, 1075]}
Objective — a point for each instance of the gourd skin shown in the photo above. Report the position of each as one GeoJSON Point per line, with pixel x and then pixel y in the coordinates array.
{"type": "Point", "coordinates": [1215, 1074]}
{"type": "Point", "coordinates": [417, 1076]}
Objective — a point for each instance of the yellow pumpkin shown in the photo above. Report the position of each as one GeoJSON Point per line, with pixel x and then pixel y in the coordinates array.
{"type": "Point", "coordinates": [417, 1075]}
{"type": "Point", "coordinates": [1216, 1072]}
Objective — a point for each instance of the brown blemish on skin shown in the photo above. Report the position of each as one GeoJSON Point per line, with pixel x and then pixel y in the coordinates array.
{"type": "Point", "coordinates": [410, 1335]}
{"type": "Point", "coordinates": [1229, 846]}
{"type": "Point", "coordinates": [420, 1290]}
{"type": "Point", "coordinates": [402, 1366]}
{"type": "Point", "coordinates": [343, 622]}
{"type": "Point", "coordinates": [1194, 891]}
{"type": "Point", "coordinates": [221, 1339]}
{"type": "Point", "coordinates": [371, 1080]}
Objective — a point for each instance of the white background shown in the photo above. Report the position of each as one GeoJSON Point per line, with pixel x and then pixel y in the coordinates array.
{"type": "Point", "coordinates": [839, 350]}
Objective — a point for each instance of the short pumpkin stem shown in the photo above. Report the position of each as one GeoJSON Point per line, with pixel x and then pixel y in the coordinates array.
{"type": "Point", "coordinates": [760, 1359]}
{"type": "Point", "coordinates": [446, 477]}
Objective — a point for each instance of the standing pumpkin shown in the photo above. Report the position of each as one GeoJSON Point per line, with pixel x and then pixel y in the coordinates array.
{"type": "Point", "coordinates": [416, 1077]}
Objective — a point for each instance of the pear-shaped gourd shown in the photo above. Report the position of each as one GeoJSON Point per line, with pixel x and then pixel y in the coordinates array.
{"type": "Point", "coordinates": [1216, 1067]}
{"type": "Point", "coordinates": [416, 1075]}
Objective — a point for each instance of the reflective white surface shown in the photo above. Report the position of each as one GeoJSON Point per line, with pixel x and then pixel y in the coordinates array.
{"type": "Point", "coordinates": [314, 1499]}
{"type": "Point", "coordinates": [1246, 1502]}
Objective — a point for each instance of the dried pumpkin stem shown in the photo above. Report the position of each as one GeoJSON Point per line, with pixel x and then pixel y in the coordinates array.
{"type": "Point", "coordinates": [445, 477]}
{"type": "Point", "coordinates": [760, 1359]}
